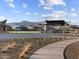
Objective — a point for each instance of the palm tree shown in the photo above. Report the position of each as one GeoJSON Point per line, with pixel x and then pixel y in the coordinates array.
{"type": "Point", "coordinates": [3, 23]}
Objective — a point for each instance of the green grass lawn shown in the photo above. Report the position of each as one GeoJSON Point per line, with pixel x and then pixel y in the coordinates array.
{"type": "Point", "coordinates": [25, 32]}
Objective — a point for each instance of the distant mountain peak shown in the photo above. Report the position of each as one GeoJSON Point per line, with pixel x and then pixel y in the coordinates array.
{"type": "Point", "coordinates": [25, 23]}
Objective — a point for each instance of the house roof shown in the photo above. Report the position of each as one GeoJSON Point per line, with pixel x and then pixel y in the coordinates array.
{"type": "Point", "coordinates": [55, 22]}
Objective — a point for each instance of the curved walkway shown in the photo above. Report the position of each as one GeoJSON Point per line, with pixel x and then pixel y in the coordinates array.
{"type": "Point", "coordinates": [53, 51]}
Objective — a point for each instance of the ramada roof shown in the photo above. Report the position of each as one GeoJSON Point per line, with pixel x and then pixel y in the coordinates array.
{"type": "Point", "coordinates": [55, 22]}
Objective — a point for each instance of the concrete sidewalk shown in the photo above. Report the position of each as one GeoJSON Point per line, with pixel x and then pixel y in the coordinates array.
{"type": "Point", "coordinates": [53, 51]}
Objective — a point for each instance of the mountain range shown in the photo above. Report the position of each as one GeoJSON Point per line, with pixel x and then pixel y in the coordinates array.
{"type": "Point", "coordinates": [25, 23]}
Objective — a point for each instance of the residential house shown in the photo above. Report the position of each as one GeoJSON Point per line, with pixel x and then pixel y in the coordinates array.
{"type": "Point", "coordinates": [34, 27]}
{"type": "Point", "coordinates": [21, 28]}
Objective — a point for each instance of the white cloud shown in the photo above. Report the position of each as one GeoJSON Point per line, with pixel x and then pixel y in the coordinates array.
{"type": "Point", "coordinates": [15, 11]}
{"type": "Point", "coordinates": [42, 2]}
{"type": "Point", "coordinates": [52, 2]}
{"type": "Point", "coordinates": [35, 13]}
{"type": "Point", "coordinates": [9, 1]}
{"type": "Point", "coordinates": [11, 5]}
{"type": "Point", "coordinates": [46, 15]}
{"type": "Point", "coordinates": [73, 12]}
{"type": "Point", "coordinates": [56, 15]}
{"type": "Point", "coordinates": [32, 14]}
{"type": "Point", "coordinates": [27, 13]}
{"type": "Point", "coordinates": [47, 8]}
{"type": "Point", "coordinates": [59, 13]}
{"type": "Point", "coordinates": [55, 2]}
{"type": "Point", "coordinates": [24, 5]}
{"type": "Point", "coordinates": [73, 9]}
{"type": "Point", "coordinates": [2, 18]}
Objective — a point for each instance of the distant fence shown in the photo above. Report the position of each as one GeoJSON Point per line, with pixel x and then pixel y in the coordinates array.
{"type": "Point", "coordinates": [18, 36]}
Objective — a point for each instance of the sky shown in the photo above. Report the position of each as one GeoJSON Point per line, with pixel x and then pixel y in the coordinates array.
{"type": "Point", "coordinates": [39, 10]}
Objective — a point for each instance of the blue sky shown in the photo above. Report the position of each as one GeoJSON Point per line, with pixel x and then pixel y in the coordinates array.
{"type": "Point", "coordinates": [39, 10]}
